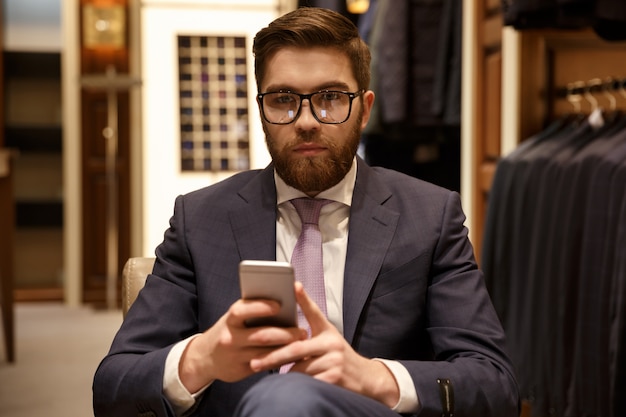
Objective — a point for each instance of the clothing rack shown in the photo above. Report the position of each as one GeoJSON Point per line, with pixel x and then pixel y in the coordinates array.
{"type": "Point", "coordinates": [609, 87]}
{"type": "Point", "coordinates": [554, 259]}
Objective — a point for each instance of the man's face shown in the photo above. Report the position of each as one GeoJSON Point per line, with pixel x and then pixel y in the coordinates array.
{"type": "Point", "coordinates": [309, 155]}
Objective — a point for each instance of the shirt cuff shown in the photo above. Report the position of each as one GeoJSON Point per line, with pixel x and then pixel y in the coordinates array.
{"type": "Point", "coordinates": [174, 390]}
{"type": "Point", "coordinates": [408, 402]}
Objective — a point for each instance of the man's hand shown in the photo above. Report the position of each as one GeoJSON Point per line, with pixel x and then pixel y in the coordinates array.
{"type": "Point", "coordinates": [327, 356]}
{"type": "Point", "coordinates": [225, 350]}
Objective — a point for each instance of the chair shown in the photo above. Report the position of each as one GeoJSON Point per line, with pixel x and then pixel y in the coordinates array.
{"type": "Point", "coordinates": [134, 276]}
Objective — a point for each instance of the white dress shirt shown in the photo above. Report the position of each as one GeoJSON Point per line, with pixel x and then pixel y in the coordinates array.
{"type": "Point", "coordinates": [333, 223]}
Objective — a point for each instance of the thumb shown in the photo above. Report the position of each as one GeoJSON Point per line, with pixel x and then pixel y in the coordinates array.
{"type": "Point", "coordinates": [316, 318]}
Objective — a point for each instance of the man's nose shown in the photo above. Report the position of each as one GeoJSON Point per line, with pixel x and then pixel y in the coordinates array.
{"type": "Point", "coordinates": [306, 118]}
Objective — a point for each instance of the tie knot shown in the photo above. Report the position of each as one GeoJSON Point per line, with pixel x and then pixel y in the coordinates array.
{"type": "Point", "coordinates": [309, 208]}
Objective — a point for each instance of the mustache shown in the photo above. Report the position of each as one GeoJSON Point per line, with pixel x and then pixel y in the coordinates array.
{"type": "Point", "coordinates": [306, 136]}
{"type": "Point", "coordinates": [311, 137]}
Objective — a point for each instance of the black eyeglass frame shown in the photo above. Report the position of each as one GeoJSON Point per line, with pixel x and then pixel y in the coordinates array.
{"type": "Point", "coordinates": [351, 96]}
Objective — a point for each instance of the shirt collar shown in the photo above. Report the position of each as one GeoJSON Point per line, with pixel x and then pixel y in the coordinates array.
{"type": "Point", "coordinates": [341, 192]}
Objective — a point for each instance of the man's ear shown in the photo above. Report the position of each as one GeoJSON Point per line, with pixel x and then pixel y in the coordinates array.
{"type": "Point", "coordinates": [368, 103]}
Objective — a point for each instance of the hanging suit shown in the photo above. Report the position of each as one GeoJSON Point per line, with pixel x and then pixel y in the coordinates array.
{"type": "Point", "coordinates": [555, 230]}
{"type": "Point", "coordinates": [606, 17]}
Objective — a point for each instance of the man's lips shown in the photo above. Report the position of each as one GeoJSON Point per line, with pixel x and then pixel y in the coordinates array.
{"type": "Point", "coordinates": [309, 149]}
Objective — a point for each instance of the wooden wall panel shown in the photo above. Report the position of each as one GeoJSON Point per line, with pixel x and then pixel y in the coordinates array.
{"type": "Point", "coordinates": [493, 105]}
{"type": "Point", "coordinates": [486, 133]}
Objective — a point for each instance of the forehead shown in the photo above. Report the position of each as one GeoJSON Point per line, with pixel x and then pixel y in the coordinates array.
{"type": "Point", "coordinates": [308, 69]}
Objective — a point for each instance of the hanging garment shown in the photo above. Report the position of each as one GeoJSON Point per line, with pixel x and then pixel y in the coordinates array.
{"type": "Point", "coordinates": [610, 19]}
{"type": "Point", "coordinates": [606, 17]}
{"type": "Point", "coordinates": [590, 382]}
{"type": "Point", "coordinates": [552, 256]}
{"type": "Point", "coordinates": [536, 14]}
{"type": "Point", "coordinates": [419, 62]}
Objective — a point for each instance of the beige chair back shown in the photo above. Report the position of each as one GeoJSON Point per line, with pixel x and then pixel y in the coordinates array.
{"type": "Point", "coordinates": [134, 276]}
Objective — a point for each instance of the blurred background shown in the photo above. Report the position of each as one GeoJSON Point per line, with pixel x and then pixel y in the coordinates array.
{"type": "Point", "coordinates": [111, 108]}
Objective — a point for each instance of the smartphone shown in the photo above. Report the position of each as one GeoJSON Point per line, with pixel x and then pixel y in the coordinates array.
{"type": "Point", "coordinates": [271, 280]}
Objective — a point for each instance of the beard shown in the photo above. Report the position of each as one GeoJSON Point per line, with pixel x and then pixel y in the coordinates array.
{"type": "Point", "coordinates": [317, 173]}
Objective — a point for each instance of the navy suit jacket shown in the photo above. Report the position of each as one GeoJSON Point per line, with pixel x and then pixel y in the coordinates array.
{"type": "Point", "coordinates": [412, 293]}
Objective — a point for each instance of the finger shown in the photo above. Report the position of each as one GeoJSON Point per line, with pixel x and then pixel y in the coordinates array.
{"type": "Point", "coordinates": [310, 367]}
{"type": "Point", "coordinates": [317, 320]}
{"type": "Point", "coordinates": [274, 336]}
{"type": "Point", "coordinates": [243, 310]}
{"type": "Point", "coordinates": [292, 352]}
{"type": "Point", "coordinates": [322, 354]}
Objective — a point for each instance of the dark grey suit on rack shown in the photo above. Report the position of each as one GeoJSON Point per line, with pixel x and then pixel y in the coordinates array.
{"type": "Point", "coordinates": [614, 265]}
{"type": "Point", "coordinates": [539, 237]}
{"type": "Point", "coordinates": [563, 250]}
{"type": "Point", "coordinates": [606, 17]}
{"type": "Point", "coordinates": [553, 255]}
{"type": "Point", "coordinates": [518, 287]}
{"type": "Point", "coordinates": [610, 20]}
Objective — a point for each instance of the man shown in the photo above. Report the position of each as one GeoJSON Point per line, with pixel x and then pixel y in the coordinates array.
{"type": "Point", "coordinates": [409, 327]}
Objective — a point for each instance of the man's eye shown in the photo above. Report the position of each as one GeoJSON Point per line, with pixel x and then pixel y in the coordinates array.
{"type": "Point", "coordinates": [330, 96]}
{"type": "Point", "coordinates": [284, 99]}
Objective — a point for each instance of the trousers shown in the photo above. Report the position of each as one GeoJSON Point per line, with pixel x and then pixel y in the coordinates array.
{"type": "Point", "coordinates": [299, 395]}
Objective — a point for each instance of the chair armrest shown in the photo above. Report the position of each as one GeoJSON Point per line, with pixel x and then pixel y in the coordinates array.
{"type": "Point", "coordinates": [134, 276]}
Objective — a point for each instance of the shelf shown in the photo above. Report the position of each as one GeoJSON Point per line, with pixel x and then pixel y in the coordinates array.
{"type": "Point", "coordinates": [32, 126]}
{"type": "Point", "coordinates": [38, 255]}
{"type": "Point", "coordinates": [39, 214]}
{"type": "Point", "coordinates": [32, 65]}
{"type": "Point", "coordinates": [34, 138]}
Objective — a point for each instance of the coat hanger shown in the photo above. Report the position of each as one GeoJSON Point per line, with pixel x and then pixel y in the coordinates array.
{"type": "Point", "coordinates": [621, 87]}
{"type": "Point", "coordinates": [589, 89]}
{"type": "Point", "coordinates": [596, 117]}
{"type": "Point", "coordinates": [607, 90]}
{"type": "Point", "coordinates": [573, 95]}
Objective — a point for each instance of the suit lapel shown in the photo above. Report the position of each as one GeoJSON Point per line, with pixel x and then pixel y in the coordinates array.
{"type": "Point", "coordinates": [372, 227]}
{"type": "Point", "coordinates": [253, 221]}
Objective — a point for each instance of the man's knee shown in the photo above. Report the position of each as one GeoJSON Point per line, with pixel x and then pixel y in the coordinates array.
{"type": "Point", "coordinates": [292, 394]}
{"type": "Point", "coordinates": [298, 395]}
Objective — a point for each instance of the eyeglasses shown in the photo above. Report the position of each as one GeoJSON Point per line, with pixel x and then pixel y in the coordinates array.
{"type": "Point", "coordinates": [328, 106]}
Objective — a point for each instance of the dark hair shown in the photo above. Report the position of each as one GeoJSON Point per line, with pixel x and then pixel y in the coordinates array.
{"type": "Point", "coordinates": [308, 27]}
